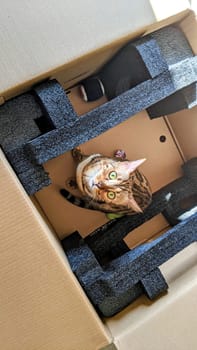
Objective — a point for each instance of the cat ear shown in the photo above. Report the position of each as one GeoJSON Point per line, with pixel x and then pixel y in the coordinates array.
{"type": "Point", "coordinates": [133, 204]}
{"type": "Point", "coordinates": [133, 165]}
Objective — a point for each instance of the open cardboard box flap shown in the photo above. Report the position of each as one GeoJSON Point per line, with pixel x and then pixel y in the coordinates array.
{"type": "Point", "coordinates": [81, 42]}
{"type": "Point", "coordinates": [43, 305]}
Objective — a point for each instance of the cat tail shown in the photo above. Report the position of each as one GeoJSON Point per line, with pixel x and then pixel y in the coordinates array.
{"type": "Point", "coordinates": [79, 202]}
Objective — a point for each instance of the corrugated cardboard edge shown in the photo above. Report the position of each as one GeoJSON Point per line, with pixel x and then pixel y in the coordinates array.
{"type": "Point", "coordinates": [39, 36]}
{"type": "Point", "coordinates": [170, 321]}
{"type": "Point", "coordinates": [31, 72]}
{"type": "Point", "coordinates": [42, 305]}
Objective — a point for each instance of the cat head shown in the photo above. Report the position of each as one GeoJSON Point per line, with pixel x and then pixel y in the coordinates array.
{"type": "Point", "coordinates": [109, 181]}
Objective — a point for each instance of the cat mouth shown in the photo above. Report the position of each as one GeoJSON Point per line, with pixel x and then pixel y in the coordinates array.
{"type": "Point", "coordinates": [98, 185]}
{"type": "Point", "coordinates": [101, 186]}
{"type": "Point", "coordinates": [90, 186]}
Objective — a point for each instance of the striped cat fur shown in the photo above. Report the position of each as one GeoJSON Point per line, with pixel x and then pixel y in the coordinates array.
{"type": "Point", "coordinates": [110, 185]}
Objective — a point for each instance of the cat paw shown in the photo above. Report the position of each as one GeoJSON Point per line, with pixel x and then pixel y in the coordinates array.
{"type": "Point", "coordinates": [71, 183]}
{"type": "Point", "coordinates": [119, 153]}
{"type": "Point", "coordinates": [77, 154]}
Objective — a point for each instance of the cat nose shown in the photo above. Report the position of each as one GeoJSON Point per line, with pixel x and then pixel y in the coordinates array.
{"type": "Point", "coordinates": [99, 184]}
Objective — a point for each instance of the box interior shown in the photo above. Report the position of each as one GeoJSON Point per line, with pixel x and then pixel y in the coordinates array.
{"type": "Point", "coordinates": [139, 137]}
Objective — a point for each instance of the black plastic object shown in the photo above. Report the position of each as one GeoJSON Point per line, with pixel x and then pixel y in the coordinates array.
{"type": "Point", "coordinates": [141, 60]}
{"type": "Point", "coordinates": [91, 89]}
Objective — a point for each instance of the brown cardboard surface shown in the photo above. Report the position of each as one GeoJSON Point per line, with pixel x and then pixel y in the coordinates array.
{"type": "Point", "coordinates": [42, 305]}
{"type": "Point", "coordinates": [37, 37]}
{"type": "Point", "coordinates": [189, 27]}
{"type": "Point", "coordinates": [170, 321]}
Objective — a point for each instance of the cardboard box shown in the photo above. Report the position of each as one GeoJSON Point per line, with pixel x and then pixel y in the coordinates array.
{"type": "Point", "coordinates": [43, 305]}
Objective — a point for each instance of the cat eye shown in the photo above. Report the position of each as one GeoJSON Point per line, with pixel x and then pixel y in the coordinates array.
{"type": "Point", "coordinates": [111, 195]}
{"type": "Point", "coordinates": [112, 175]}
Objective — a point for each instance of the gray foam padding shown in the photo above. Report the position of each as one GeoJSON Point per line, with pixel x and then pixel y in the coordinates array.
{"type": "Point", "coordinates": [105, 239]}
{"type": "Point", "coordinates": [183, 68]}
{"type": "Point", "coordinates": [175, 70]}
{"type": "Point", "coordinates": [32, 175]}
{"type": "Point", "coordinates": [154, 283]}
{"type": "Point", "coordinates": [17, 121]}
{"type": "Point", "coordinates": [191, 95]}
{"type": "Point", "coordinates": [17, 126]}
{"type": "Point", "coordinates": [151, 56]}
{"type": "Point", "coordinates": [55, 103]}
{"type": "Point", "coordinates": [101, 119]}
{"type": "Point", "coordinates": [184, 73]}
{"type": "Point", "coordinates": [113, 286]}
{"type": "Point", "coordinates": [172, 44]}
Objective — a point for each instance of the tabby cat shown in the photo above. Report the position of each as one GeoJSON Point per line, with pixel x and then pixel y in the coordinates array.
{"type": "Point", "coordinates": [110, 185]}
